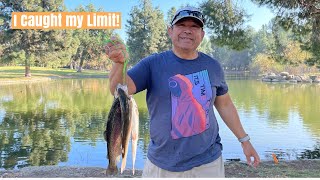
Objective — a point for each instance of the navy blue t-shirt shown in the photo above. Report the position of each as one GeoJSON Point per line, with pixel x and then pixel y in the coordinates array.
{"type": "Point", "coordinates": [180, 96]}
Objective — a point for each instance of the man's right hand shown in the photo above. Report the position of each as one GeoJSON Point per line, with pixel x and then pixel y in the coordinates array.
{"type": "Point", "coordinates": [116, 50]}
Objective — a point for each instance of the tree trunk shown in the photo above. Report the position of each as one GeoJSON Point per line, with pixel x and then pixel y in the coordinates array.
{"type": "Point", "coordinates": [71, 64]}
{"type": "Point", "coordinates": [27, 67]}
{"type": "Point", "coordinates": [80, 65]}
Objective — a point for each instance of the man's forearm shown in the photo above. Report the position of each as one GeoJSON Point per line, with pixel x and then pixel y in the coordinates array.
{"type": "Point", "coordinates": [115, 76]}
{"type": "Point", "coordinates": [229, 115]}
{"type": "Point", "coordinates": [231, 118]}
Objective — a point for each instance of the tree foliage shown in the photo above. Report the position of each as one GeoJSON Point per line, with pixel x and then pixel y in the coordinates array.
{"type": "Point", "coordinates": [35, 44]}
{"type": "Point", "coordinates": [303, 19]}
{"type": "Point", "coordinates": [89, 43]}
{"type": "Point", "coordinates": [49, 48]}
{"type": "Point", "coordinates": [274, 50]}
{"type": "Point", "coordinates": [225, 23]}
{"type": "Point", "coordinates": [205, 46]}
{"type": "Point", "coordinates": [146, 31]}
{"type": "Point", "coordinates": [264, 63]}
{"type": "Point", "coordinates": [170, 15]}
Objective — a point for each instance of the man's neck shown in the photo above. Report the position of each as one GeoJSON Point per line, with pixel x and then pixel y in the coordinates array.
{"type": "Point", "coordinates": [185, 54]}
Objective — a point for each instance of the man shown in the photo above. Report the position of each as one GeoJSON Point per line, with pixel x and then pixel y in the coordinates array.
{"type": "Point", "coordinates": [182, 86]}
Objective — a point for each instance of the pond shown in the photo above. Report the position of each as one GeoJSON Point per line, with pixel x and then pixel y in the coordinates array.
{"type": "Point", "coordinates": [61, 122]}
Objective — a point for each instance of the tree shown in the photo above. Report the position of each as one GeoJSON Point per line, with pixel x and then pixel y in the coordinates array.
{"type": "Point", "coordinates": [226, 24]}
{"type": "Point", "coordinates": [284, 47]}
{"type": "Point", "coordinates": [48, 48]}
{"type": "Point", "coordinates": [274, 49]}
{"type": "Point", "coordinates": [205, 46]}
{"type": "Point", "coordinates": [146, 31]}
{"type": "Point", "coordinates": [90, 42]}
{"type": "Point", "coordinates": [170, 15]}
{"type": "Point", "coordinates": [261, 41]}
{"type": "Point", "coordinates": [31, 43]}
{"type": "Point", "coordinates": [264, 63]}
{"type": "Point", "coordinates": [302, 17]}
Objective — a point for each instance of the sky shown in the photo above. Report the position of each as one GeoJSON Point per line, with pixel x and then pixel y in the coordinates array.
{"type": "Point", "coordinates": [259, 15]}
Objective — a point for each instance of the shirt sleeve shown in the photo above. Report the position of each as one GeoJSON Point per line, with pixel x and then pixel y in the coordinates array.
{"type": "Point", "coordinates": [223, 87]}
{"type": "Point", "coordinates": [140, 74]}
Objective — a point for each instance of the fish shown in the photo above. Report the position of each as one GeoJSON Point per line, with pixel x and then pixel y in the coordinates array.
{"type": "Point", "coordinates": [134, 115]}
{"type": "Point", "coordinates": [122, 123]}
{"type": "Point", "coordinates": [126, 133]}
{"type": "Point", "coordinates": [118, 119]}
{"type": "Point", "coordinates": [133, 131]}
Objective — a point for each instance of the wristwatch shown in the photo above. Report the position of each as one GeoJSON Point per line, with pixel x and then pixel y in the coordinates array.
{"type": "Point", "coordinates": [246, 138]}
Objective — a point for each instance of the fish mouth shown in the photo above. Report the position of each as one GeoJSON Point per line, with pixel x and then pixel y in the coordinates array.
{"type": "Point", "coordinates": [121, 90]}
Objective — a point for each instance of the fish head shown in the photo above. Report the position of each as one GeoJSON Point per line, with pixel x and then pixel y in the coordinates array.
{"type": "Point", "coordinates": [121, 90]}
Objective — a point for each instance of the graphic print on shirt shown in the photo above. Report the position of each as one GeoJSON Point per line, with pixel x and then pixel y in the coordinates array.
{"type": "Point", "coordinates": [191, 97]}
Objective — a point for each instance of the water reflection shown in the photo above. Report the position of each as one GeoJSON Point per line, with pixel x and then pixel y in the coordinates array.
{"type": "Point", "coordinates": [39, 120]}
{"type": "Point", "coordinates": [281, 117]}
{"type": "Point", "coordinates": [32, 138]}
{"type": "Point", "coordinates": [311, 154]}
{"type": "Point", "coordinates": [61, 122]}
{"type": "Point", "coordinates": [277, 101]}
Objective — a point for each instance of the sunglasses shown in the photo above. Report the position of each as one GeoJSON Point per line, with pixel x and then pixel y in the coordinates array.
{"type": "Point", "coordinates": [187, 13]}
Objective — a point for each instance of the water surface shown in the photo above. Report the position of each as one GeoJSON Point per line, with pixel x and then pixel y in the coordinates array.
{"type": "Point", "coordinates": [61, 122]}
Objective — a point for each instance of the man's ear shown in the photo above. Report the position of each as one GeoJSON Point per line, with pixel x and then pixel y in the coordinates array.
{"type": "Point", "coordinates": [202, 34]}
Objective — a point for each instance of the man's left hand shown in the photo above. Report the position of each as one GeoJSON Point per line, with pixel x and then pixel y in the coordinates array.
{"type": "Point", "coordinates": [249, 152]}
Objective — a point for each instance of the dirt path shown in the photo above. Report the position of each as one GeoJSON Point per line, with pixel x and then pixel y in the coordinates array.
{"type": "Point", "coordinates": [293, 169]}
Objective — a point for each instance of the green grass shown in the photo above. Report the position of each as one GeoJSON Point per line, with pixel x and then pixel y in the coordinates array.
{"type": "Point", "coordinates": [16, 74]}
{"type": "Point", "coordinates": [267, 169]}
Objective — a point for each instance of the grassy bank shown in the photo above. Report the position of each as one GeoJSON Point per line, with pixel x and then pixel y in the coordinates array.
{"type": "Point", "coordinates": [10, 75]}
{"type": "Point", "coordinates": [268, 169]}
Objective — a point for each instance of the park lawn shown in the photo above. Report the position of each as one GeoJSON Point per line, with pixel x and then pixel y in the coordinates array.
{"type": "Point", "coordinates": [15, 74]}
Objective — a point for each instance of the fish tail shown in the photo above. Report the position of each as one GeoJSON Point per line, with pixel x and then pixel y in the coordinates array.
{"type": "Point", "coordinates": [134, 153]}
{"type": "Point", "coordinates": [112, 170]}
{"type": "Point", "coordinates": [123, 165]}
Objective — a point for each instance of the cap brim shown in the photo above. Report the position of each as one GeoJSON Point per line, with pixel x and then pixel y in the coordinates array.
{"type": "Point", "coordinates": [197, 20]}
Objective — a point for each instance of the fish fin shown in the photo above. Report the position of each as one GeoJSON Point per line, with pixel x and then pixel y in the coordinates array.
{"type": "Point", "coordinates": [134, 153]}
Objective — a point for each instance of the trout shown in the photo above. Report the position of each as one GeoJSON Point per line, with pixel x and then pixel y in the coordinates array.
{"type": "Point", "coordinates": [122, 122]}
{"type": "Point", "coordinates": [118, 120]}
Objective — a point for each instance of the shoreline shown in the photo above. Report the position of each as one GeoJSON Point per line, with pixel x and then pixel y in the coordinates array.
{"type": "Point", "coordinates": [266, 169]}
